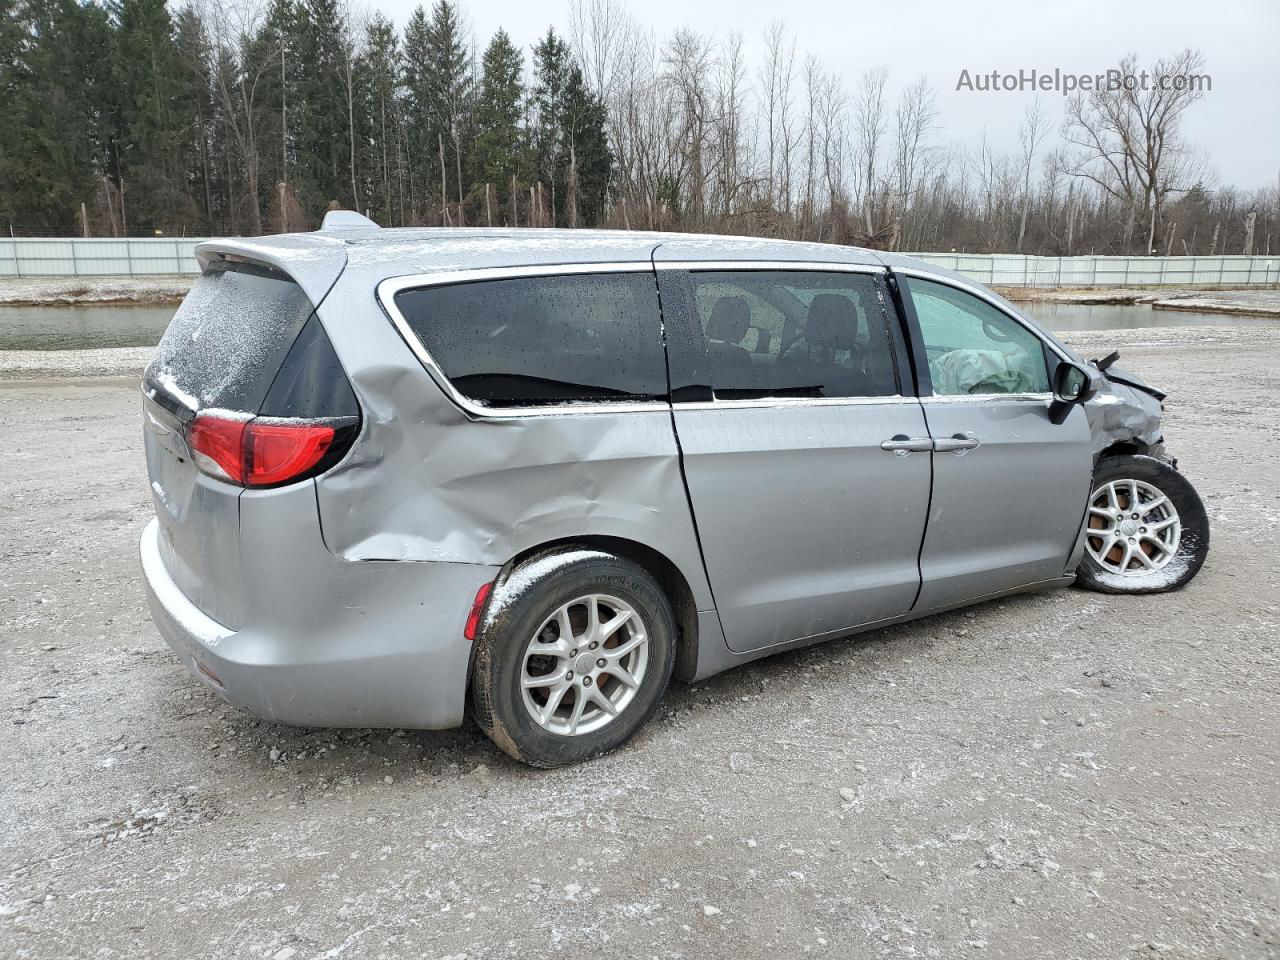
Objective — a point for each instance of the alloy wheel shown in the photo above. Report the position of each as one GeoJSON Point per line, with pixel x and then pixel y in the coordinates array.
{"type": "Point", "coordinates": [584, 665]}
{"type": "Point", "coordinates": [1133, 528]}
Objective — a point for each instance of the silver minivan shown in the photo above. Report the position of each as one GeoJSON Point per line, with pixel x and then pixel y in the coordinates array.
{"type": "Point", "coordinates": [540, 472]}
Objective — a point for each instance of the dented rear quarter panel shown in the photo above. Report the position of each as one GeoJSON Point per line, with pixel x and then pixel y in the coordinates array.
{"type": "Point", "coordinates": [428, 481]}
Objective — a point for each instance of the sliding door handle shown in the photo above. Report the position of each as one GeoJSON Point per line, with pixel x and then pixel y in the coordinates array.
{"type": "Point", "coordinates": [901, 445]}
{"type": "Point", "coordinates": [960, 444]}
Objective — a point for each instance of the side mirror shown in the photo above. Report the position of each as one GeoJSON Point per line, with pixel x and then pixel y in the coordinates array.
{"type": "Point", "coordinates": [1072, 384]}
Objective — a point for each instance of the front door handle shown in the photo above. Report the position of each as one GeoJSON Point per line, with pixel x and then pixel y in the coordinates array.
{"type": "Point", "coordinates": [901, 445]}
{"type": "Point", "coordinates": [960, 444]}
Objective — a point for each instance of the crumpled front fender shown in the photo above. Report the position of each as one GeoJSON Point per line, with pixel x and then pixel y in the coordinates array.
{"type": "Point", "coordinates": [1125, 409]}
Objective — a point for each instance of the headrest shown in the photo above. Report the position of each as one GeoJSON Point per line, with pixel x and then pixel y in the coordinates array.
{"type": "Point", "coordinates": [832, 322]}
{"type": "Point", "coordinates": [730, 320]}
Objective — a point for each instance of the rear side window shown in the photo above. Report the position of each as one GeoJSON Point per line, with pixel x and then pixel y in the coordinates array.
{"type": "Point", "coordinates": [534, 341]}
{"type": "Point", "coordinates": [795, 334]}
{"type": "Point", "coordinates": [227, 341]}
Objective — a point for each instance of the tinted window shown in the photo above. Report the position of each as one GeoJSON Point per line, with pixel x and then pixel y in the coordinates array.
{"type": "Point", "coordinates": [794, 334]}
{"type": "Point", "coordinates": [229, 337]}
{"type": "Point", "coordinates": [973, 348]}
{"type": "Point", "coordinates": [540, 340]}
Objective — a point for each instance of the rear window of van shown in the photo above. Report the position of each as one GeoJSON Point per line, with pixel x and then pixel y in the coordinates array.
{"type": "Point", "coordinates": [534, 341]}
{"type": "Point", "coordinates": [227, 341]}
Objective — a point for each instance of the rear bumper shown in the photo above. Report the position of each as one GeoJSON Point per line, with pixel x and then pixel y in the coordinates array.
{"type": "Point", "coordinates": [328, 642]}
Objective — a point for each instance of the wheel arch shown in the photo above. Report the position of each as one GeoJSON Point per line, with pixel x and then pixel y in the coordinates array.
{"type": "Point", "coordinates": [1134, 447]}
{"type": "Point", "coordinates": [675, 585]}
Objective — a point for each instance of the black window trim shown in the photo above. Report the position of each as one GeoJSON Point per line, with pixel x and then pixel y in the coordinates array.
{"type": "Point", "coordinates": [386, 295]}
{"type": "Point", "coordinates": [920, 365]}
{"type": "Point", "coordinates": [681, 271]}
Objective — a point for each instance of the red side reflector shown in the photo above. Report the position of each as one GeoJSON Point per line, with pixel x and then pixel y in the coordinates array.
{"type": "Point", "coordinates": [256, 453]}
{"type": "Point", "coordinates": [477, 608]}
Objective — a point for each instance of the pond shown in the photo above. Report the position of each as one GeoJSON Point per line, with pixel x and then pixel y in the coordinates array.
{"type": "Point", "coordinates": [79, 327]}
{"type": "Point", "coordinates": [76, 328]}
{"type": "Point", "coordinates": [1068, 317]}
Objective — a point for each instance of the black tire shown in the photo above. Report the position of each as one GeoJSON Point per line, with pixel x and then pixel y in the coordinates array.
{"type": "Point", "coordinates": [1192, 546]}
{"type": "Point", "coordinates": [520, 605]}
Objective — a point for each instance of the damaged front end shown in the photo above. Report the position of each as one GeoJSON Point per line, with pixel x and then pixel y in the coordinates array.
{"type": "Point", "coordinates": [1125, 413]}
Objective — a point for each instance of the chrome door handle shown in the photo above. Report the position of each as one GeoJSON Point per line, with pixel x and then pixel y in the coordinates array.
{"type": "Point", "coordinates": [960, 444]}
{"type": "Point", "coordinates": [901, 445]}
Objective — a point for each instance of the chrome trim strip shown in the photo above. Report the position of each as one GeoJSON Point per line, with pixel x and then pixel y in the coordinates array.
{"type": "Point", "coordinates": [986, 297]}
{"type": "Point", "coordinates": [386, 294]}
{"type": "Point", "coordinates": [988, 397]}
{"type": "Point", "coordinates": [784, 402]}
{"type": "Point", "coordinates": [742, 266]}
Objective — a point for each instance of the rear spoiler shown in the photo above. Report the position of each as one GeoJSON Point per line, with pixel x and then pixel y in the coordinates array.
{"type": "Point", "coordinates": [313, 261]}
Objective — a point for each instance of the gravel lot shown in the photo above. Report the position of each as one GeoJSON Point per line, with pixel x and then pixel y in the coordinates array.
{"type": "Point", "coordinates": [1063, 775]}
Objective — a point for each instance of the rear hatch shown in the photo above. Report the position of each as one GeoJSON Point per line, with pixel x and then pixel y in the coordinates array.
{"type": "Point", "coordinates": [244, 390]}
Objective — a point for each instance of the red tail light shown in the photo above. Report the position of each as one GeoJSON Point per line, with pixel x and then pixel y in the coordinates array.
{"type": "Point", "coordinates": [256, 452]}
{"type": "Point", "coordinates": [278, 452]}
{"type": "Point", "coordinates": [217, 446]}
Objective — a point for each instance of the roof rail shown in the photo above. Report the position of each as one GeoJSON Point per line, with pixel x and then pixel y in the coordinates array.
{"type": "Point", "coordinates": [345, 220]}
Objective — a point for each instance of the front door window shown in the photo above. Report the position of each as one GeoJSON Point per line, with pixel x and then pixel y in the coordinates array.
{"type": "Point", "coordinates": [972, 347]}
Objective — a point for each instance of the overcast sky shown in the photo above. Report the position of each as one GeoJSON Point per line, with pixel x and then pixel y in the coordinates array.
{"type": "Point", "coordinates": [1238, 123]}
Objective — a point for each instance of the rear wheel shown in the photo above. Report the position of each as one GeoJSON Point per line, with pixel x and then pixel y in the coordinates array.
{"type": "Point", "coordinates": [1147, 531]}
{"type": "Point", "coordinates": [576, 650]}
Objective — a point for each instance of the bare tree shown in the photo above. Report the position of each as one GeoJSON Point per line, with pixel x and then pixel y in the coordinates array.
{"type": "Point", "coordinates": [1129, 139]}
{"type": "Point", "coordinates": [869, 126]}
{"type": "Point", "coordinates": [1031, 134]}
{"type": "Point", "coordinates": [687, 62]}
{"type": "Point", "coordinates": [237, 80]}
{"type": "Point", "coordinates": [914, 121]}
{"type": "Point", "coordinates": [731, 175]}
{"type": "Point", "coordinates": [598, 30]}
{"type": "Point", "coordinates": [776, 77]}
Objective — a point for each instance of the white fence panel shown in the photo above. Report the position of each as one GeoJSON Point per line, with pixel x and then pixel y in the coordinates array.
{"type": "Point", "coordinates": [1013, 270]}
{"type": "Point", "coordinates": [97, 257]}
{"type": "Point", "coordinates": [158, 256]}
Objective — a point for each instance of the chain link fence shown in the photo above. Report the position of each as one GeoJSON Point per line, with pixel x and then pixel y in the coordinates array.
{"type": "Point", "coordinates": [164, 256]}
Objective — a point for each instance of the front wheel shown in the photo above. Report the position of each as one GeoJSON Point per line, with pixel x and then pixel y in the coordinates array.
{"type": "Point", "coordinates": [1147, 531]}
{"type": "Point", "coordinates": [575, 652]}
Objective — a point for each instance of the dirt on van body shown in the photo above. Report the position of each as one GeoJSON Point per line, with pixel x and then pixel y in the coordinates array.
{"type": "Point", "coordinates": [1055, 775]}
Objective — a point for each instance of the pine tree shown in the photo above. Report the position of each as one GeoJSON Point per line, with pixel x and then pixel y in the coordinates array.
{"type": "Point", "coordinates": [421, 166]}
{"type": "Point", "coordinates": [449, 92]}
{"type": "Point", "coordinates": [551, 62]}
{"type": "Point", "coordinates": [12, 79]}
{"type": "Point", "coordinates": [278, 61]}
{"type": "Point", "coordinates": [379, 111]}
{"type": "Point", "coordinates": [322, 144]}
{"type": "Point", "coordinates": [500, 143]}
{"type": "Point", "coordinates": [54, 141]}
{"type": "Point", "coordinates": [571, 148]}
{"type": "Point", "coordinates": [192, 48]}
{"type": "Point", "coordinates": [583, 123]}
{"type": "Point", "coordinates": [151, 117]}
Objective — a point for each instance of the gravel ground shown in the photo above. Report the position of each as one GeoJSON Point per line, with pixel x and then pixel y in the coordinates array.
{"type": "Point", "coordinates": [1062, 775]}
